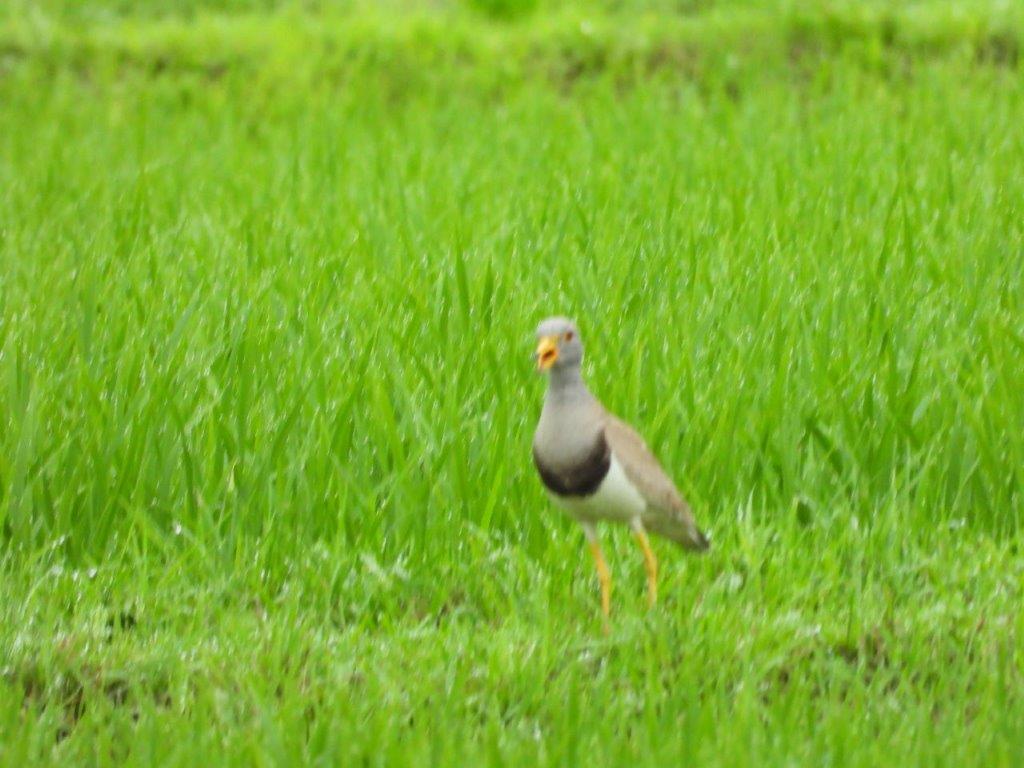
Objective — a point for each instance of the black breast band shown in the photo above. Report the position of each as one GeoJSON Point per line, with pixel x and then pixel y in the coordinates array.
{"type": "Point", "coordinates": [582, 479]}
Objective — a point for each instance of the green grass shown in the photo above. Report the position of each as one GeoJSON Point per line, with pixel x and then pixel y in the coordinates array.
{"type": "Point", "coordinates": [266, 396]}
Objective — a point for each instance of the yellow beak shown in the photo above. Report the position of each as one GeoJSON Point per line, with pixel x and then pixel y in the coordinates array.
{"type": "Point", "coordinates": [547, 353]}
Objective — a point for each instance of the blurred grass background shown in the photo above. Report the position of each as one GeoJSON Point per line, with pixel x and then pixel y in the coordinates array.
{"type": "Point", "coordinates": [268, 280]}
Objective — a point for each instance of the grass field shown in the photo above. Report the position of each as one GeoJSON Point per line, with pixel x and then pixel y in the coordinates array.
{"type": "Point", "coordinates": [268, 285]}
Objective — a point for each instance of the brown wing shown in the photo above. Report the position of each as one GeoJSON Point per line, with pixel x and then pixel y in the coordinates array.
{"type": "Point", "coordinates": [668, 515]}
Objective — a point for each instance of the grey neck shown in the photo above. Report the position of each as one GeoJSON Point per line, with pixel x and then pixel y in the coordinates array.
{"type": "Point", "coordinates": [566, 382]}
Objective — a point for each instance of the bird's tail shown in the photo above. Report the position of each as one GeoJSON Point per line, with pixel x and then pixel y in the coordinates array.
{"type": "Point", "coordinates": [696, 540]}
{"type": "Point", "coordinates": [684, 532]}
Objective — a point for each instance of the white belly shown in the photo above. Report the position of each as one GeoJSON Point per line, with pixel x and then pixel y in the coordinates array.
{"type": "Point", "coordinates": [615, 499]}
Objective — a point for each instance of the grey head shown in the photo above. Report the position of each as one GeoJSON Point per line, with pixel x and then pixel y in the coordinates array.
{"type": "Point", "coordinates": [559, 349]}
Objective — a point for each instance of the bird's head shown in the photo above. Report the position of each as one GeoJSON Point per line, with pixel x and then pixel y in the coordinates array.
{"type": "Point", "coordinates": [558, 344]}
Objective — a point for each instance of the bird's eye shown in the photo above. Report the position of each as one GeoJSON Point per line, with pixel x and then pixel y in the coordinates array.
{"type": "Point", "coordinates": [568, 336]}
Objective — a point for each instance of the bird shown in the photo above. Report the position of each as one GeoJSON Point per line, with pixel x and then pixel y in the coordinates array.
{"type": "Point", "coordinates": [597, 468]}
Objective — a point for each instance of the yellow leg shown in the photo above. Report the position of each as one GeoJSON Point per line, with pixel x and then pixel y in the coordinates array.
{"type": "Point", "coordinates": [605, 578]}
{"type": "Point", "coordinates": [650, 565]}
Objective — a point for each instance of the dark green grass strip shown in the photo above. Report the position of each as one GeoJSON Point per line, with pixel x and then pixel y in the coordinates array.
{"type": "Point", "coordinates": [561, 47]}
